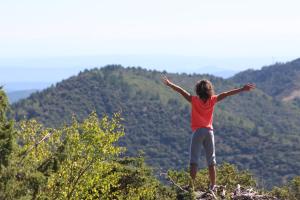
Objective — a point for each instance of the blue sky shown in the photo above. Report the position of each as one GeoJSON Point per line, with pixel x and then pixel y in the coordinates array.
{"type": "Point", "coordinates": [231, 34]}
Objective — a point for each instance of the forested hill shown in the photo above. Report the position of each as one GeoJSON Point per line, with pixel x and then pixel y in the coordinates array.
{"type": "Point", "coordinates": [254, 130]}
{"type": "Point", "coordinates": [281, 80]}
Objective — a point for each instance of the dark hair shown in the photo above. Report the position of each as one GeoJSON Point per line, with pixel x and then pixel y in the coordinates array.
{"type": "Point", "coordinates": [204, 89]}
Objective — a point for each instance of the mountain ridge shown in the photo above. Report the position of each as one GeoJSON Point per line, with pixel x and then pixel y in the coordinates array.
{"type": "Point", "coordinates": [281, 80]}
{"type": "Point", "coordinates": [252, 130]}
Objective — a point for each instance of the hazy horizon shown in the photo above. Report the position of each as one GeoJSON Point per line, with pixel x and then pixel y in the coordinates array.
{"type": "Point", "coordinates": [60, 38]}
{"type": "Point", "coordinates": [39, 74]}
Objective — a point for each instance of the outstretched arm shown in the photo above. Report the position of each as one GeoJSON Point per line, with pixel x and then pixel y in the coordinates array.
{"type": "Point", "coordinates": [178, 89]}
{"type": "Point", "coordinates": [246, 88]}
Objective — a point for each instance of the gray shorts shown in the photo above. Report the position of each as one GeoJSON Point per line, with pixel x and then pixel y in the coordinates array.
{"type": "Point", "coordinates": [203, 137]}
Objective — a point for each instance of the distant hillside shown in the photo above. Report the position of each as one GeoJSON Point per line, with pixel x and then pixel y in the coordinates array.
{"type": "Point", "coordinates": [281, 80]}
{"type": "Point", "coordinates": [17, 95]}
{"type": "Point", "coordinates": [253, 130]}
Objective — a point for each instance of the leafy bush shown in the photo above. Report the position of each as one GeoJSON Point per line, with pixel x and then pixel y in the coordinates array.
{"type": "Point", "coordinates": [290, 191]}
{"type": "Point", "coordinates": [79, 161]}
{"type": "Point", "coordinates": [227, 175]}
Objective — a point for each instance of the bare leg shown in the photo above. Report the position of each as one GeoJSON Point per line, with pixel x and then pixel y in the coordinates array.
{"type": "Point", "coordinates": [212, 175]}
{"type": "Point", "coordinates": [193, 173]}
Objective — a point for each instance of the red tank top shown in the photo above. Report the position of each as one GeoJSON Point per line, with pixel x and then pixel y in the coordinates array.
{"type": "Point", "coordinates": [202, 112]}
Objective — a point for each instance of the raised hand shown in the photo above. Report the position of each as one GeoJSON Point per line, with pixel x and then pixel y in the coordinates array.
{"type": "Point", "coordinates": [177, 88]}
{"type": "Point", "coordinates": [165, 80]}
{"type": "Point", "coordinates": [249, 87]}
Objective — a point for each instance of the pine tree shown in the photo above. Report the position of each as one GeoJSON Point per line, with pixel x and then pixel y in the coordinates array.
{"type": "Point", "coordinates": [7, 143]}
{"type": "Point", "coordinates": [6, 130]}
